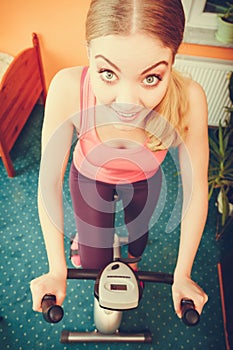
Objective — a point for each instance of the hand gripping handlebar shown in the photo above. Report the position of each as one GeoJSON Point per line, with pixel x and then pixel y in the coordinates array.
{"type": "Point", "coordinates": [53, 313]}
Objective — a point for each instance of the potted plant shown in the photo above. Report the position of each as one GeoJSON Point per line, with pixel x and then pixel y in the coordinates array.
{"type": "Point", "coordinates": [225, 25]}
{"type": "Point", "coordinates": [220, 175]}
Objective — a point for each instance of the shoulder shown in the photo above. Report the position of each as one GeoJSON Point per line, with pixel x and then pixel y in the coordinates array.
{"type": "Point", "coordinates": [68, 74]}
{"type": "Point", "coordinates": [195, 90]}
{"type": "Point", "coordinates": [194, 150]}
{"type": "Point", "coordinates": [63, 99]}
{"type": "Point", "coordinates": [197, 104]}
{"type": "Point", "coordinates": [196, 136]}
{"type": "Point", "coordinates": [62, 103]}
{"type": "Point", "coordinates": [66, 83]}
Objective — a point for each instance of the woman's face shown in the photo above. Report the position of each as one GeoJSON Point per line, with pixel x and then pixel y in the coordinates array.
{"type": "Point", "coordinates": [129, 74]}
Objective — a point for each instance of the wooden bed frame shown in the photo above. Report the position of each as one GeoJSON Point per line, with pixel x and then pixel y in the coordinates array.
{"type": "Point", "coordinates": [20, 89]}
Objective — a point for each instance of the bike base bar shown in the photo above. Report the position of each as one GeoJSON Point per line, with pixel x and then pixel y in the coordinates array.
{"type": "Point", "coordinates": [119, 337]}
{"type": "Point", "coordinates": [145, 276]}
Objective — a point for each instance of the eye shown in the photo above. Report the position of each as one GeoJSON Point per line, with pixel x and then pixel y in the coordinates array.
{"type": "Point", "coordinates": [107, 75]}
{"type": "Point", "coordinates": [152, 80]}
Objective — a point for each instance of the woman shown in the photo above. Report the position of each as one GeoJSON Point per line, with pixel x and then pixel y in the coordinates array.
{"type": "Point", "coordinates": [133, 107]}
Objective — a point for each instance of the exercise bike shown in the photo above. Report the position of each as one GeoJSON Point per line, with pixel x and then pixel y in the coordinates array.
{"type": "Point", "coordinates": [117, 288]}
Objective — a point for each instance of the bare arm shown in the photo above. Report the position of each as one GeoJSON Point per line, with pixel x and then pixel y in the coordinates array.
{"type": "Point", "coordinates": [57, 134]}
{"type": "Point", "coordinates": [194, 156]}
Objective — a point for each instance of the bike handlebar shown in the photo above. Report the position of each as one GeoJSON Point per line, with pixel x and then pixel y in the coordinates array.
{"type": "Point", "coordinates": [190, 316]}
{"type": "Point", "coordinates": [53, 313]}
{"type": "Point", "coordinates": [144, 276]}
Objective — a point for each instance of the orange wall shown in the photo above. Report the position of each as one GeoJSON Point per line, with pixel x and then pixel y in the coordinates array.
{"type": "Point", "coordinates": [58, 23]}
{"type": "Point", "coordinates": [206, 51]}
{"type": "Point", "coordinates": [60, 26]}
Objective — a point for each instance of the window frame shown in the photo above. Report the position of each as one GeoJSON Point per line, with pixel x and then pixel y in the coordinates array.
{"type": "Point", "coordinates": [195, 17]}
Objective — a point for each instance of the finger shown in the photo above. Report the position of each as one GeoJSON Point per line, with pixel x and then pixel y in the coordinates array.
{"type": "Point", "coordinates": [36, 298]}
{"type": "Point", "coordinates": [36, 306]}
{"type": "Point", "coordinates": [60, 298]}
{"type": "Point", "coordinates": [200, 302]}
{"type": "Point", "coordinates": [177, 307]}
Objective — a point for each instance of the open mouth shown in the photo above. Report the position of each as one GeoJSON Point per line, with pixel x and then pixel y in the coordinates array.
{"type": "Point", "coordinates": [127, 116]}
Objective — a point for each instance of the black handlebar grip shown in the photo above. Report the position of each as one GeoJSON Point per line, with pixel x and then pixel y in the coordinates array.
{"type": "Point", "coordinates": [190, 316]}
{"type": "Point", "coordinates": [52, 313]}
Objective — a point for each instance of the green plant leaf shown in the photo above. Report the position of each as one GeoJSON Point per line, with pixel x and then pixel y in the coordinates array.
{"type": "Point", "coordinates": [211, 190]}
{"type": "Point", "coordinates": [225, 206]}
{"type": "Point", "coordinates": [213, 146]}
{"type": "Point", "coordinates": [220, 139]}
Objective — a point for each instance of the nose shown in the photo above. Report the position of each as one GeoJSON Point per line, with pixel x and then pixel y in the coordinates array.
{"type": "Point", "coordinates": [127, 96]}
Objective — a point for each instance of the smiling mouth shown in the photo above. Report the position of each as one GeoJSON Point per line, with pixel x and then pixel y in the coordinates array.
{"type": "Point", "coordinates": [126, 117]}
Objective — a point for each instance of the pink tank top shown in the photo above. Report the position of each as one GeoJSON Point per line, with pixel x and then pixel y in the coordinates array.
{"type": "Point", "coordinates": [97, 160]}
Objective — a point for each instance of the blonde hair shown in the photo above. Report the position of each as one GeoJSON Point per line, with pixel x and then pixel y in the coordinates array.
{"type": "Point", "coordinates": [170, 123]}
{"type": "Point", "coordinates": [163, 20]}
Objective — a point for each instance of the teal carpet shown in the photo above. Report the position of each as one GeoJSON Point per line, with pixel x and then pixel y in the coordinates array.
{"type": "Point", "coordinates": [23, 258]}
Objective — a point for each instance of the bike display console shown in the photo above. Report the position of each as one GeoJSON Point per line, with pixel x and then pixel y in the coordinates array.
{"type": "Point", "coordinates": [117, 287]}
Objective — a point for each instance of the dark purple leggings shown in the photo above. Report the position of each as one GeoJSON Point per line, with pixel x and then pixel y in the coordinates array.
{"type": "Point", "coordinates": [94, 209]}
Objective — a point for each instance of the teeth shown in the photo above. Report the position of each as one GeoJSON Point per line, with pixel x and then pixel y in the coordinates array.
{"type": "Point", "coordinates": [124, 114]}
{"type": "Point", "coordinates": [127, 115]}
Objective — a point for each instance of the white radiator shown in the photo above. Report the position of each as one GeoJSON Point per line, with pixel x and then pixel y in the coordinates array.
{"type": "Point", "coordinates": [213, 76]}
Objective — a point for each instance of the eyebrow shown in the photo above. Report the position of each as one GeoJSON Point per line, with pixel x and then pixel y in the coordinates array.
{"type": "Point", "coordinates": [144, 72]}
